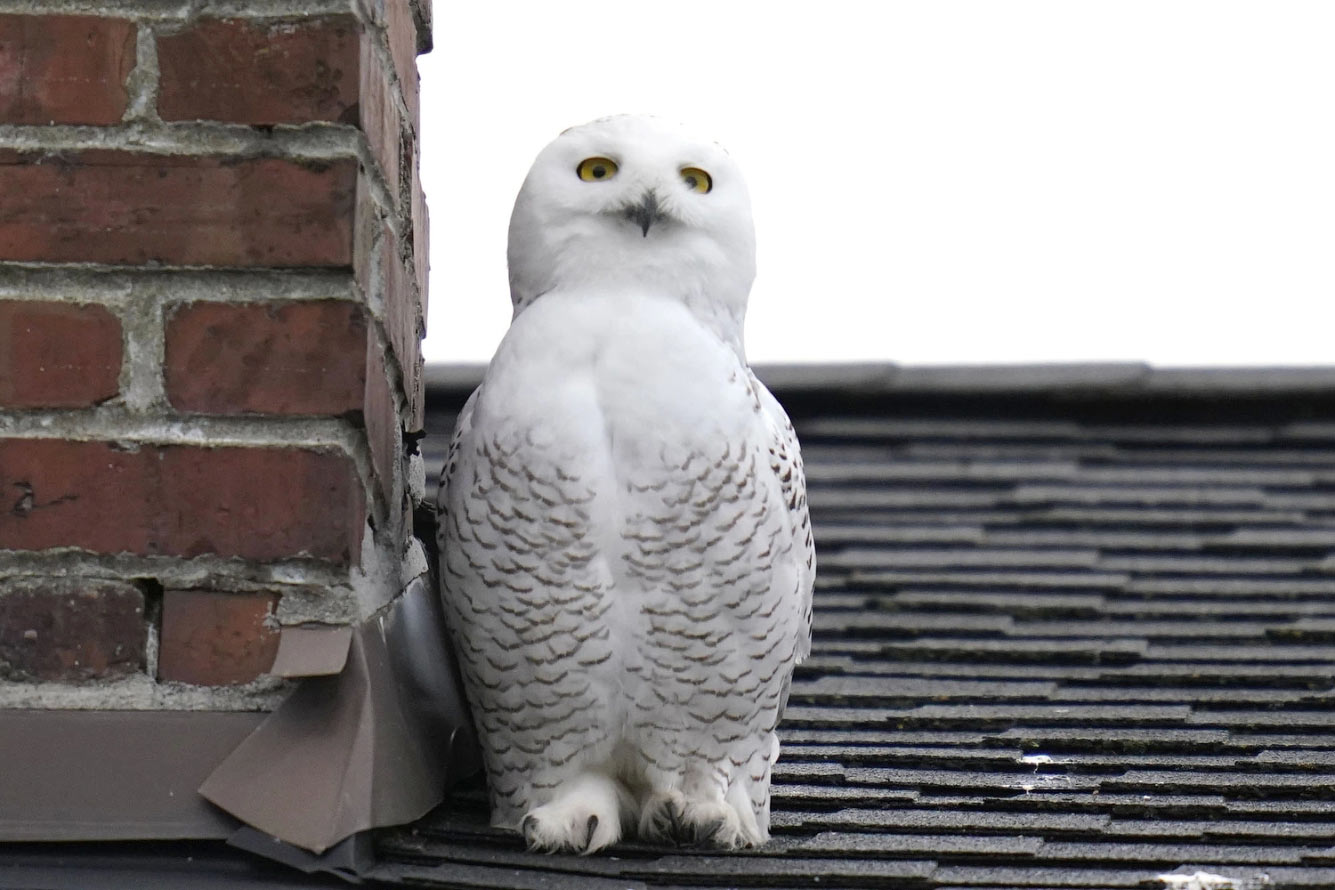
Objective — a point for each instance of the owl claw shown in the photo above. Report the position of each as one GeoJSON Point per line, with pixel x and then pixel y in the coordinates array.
{"type": "Point", "coordinates": [583, 817]}
{"type": "Point", "coordinates": [668, 817]}
{"type": "Point", "coordinates": [661, 817]}
{"type": "Point", "coordinates": [712, 824]}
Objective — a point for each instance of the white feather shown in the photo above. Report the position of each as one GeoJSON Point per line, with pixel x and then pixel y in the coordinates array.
{"type": "Point", "coordinates": [626, 557]}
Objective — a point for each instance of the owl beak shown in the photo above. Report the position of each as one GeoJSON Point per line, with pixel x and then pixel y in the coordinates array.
{"type": "Point", "coordinates": [645, 213]}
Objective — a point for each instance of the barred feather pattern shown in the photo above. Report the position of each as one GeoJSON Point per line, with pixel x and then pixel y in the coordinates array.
{"type": "Point", "coordinates": [643, 607]}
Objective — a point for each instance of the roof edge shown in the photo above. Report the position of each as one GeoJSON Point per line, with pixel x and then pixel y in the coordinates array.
{"type": "Point", "coordinates": [1102, 378]}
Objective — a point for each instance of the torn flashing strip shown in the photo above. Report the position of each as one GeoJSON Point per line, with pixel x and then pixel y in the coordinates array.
{"type": "Point", "coordinates": [376, 745]}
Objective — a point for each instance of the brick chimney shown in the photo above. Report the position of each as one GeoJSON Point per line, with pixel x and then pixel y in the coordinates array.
{"type": "Point", "coordinates": [212, 293]}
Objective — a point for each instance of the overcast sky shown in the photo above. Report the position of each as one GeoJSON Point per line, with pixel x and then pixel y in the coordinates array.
{"type": "Point", "coordinates": [937, 181]}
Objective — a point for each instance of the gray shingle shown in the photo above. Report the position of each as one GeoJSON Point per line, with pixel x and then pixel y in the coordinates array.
{"type": "Point", "coordinates": [1063, 641]}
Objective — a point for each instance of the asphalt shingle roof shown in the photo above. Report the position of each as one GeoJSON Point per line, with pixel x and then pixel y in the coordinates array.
{"type": "Point", "coordinates": [1071, 631]}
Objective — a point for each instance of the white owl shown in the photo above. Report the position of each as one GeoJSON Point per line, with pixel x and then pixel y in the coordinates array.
{"type": "Point", "coordinates": [626, 557]}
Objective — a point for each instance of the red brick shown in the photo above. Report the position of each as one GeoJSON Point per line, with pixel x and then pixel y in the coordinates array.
{"type": "Point", "coordinates": [260, 73]}
{"type": "Point", "coordinates": [267, 358]}
{"type": "Point", "coordinates": [380, 119]}
{"type": "Point", "coordinates": [57, 355]}
{"type": "Point", "coordinates": [216, 639]}
{"type": "Point", "coordinates": [401, 26]}
{"type": "Point", "coordinates": [403, 317]}
{"type": "Point", "coordinates": [70, 629]}
{"type": "Point", "coordinates": [105, 206]}
{"type": "Point", "coordinates": [382, 425]}
{"type": "Point", "coordinates": [261, 504]}
{"type": "Point", "coordinates": [422, 13]}
{"type": "Point", "coordinates": [64, 69]}
{"type": "Point", "coordinates": [421, 222]}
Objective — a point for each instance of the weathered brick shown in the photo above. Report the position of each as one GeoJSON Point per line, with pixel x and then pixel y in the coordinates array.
{"type": "Point", "coordinates": [104, 206]}
{"type": "Point", "coordinates": [401, 27]}
{"type": "Point", "coordinates": [404, 319]}
{"type": "Point", "coordinates": [70, 629]}
{"type": "Point", "coordinates": [380, 118]}
{"type": "Point", "coordinates": [262, 504]}
{"type": "Point", "coordinates": [57, 355]}
{"type": "Point", "coordinates": [267, 358]}
{"type": "Point", "coordinates": [422, 14]}
{"type": "Point", "coordinates": [260, 72]}
{"type": "Point", "coordinates": [382, 424]}
{"type": "Point", "coordinates": [421, 222]}
{"type": "Point", "coordinates": [216, 639]}
{"type": "Point", "coordinates": [64, 69]}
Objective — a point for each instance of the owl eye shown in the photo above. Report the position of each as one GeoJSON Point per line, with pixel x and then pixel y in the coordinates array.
{"type": "Point", "coordinates": [596, 169]}
{"type": "Point", "coordinates": [696, 179]}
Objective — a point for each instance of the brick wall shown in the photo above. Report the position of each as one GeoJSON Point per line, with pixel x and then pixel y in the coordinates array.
{"type": "Point", "coordinates": [212, 293]}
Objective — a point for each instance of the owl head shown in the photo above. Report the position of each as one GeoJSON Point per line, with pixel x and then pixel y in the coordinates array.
{"type": "Point", "coordinates": [635, 205]}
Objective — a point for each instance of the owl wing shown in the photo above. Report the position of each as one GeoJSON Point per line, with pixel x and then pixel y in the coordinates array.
{"type": "Point", "coordinates": [786, 462]}
{"type": "Point", "coordinates": [525, 598]}
{"type": "Point", "coordinates": [462, 425]}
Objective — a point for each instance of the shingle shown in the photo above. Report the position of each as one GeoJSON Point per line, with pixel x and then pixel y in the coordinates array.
{"type": "Point", "coordinates": [753, 870]}
{"type": "Point", "coordinates": [1170, 855]}
{"type": "Point", "coordinates": [1213, 696]}
{"type": "Point", "coordinates": [1067, 642]}
{"type": "Point", "coordinates": [862, 428]}
{"type": "Point", "coordinates": [1216, 607]}
{"type": "Point", "coordinates": [1149, 629]}
{"type": "Point", "coordinates": [1183, 434]}
{"type": "Point", "coordinates": [1232, 586]}
{"type": "Point", "coordinates": [1180, 519]}
{"type": "Point", "coordinates": [1224, 454]}
{"type": "Point", "coordinates": [946, 669]}
{"type": "Point", "coordinates": [1186, 474]}
{"type": "Point", "coordinates": [830, 534]}
{"type": "Point", "coordinates": [1288, 719]}
{"type": "Point", "coordinates": [1183, 780]}
{"type": "Point", "coordinates": [829, 690]}
{"type": "Point", "coordinates": [828, 842]}
{"type": "Point", "coordinates": [959, 557]}
{"type": "Point", "coordinates": [932, 821]}
{"type": "Point", "coordinates": [1142, 495]}
{"type": "Point", "coordinates": [908, 624]}
{"type": "Point", "coordinates": [1272, 653]}
{"type": "Point", "coordinates": [1068, 651]}
{"type": "Point", "coordinates": [466, 877]}
{"type": "Point", "coordinates": [945, 471]}
{"type": "Point", "coordinates": [980, 780]}
{"type": "Point", "coordinates": [1026, 603]}
{"type": "Point", "coordinates": [994, 877]}
{"type": "Point", "coordinates": [1278, 675]}
{"type": "Point", "coordinates": [869, 498]}
{"type": "Point", "coordinates": [1209, 566]}
{"type": "Point", "coordinates": [1159, 805]}
{"type": "Point", "coordinates": [1101, 539]}
{"type": "Point", "coordinates": [1019, 580]}
{"type": "Point", "coordinates": [1120, 738]}
{"type": "Point", "coordinates": [856, 737]}
{"type": "Point", "coordinates": [1270, 538]}
{"type": "Point", "coordinates": [1231, 831]}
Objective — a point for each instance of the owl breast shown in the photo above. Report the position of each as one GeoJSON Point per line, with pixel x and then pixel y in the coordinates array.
{"type": "Point", "coordinates": [617, 530]}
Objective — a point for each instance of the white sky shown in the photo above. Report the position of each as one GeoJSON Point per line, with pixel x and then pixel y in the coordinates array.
{"type": "Point", "coordinates": [935, 181]}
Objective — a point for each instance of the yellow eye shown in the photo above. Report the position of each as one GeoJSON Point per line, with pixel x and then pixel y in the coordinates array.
{"type": "Point", "coordinates": [596, 169]}
{"type": "Point", "coordinates": [696, 179]}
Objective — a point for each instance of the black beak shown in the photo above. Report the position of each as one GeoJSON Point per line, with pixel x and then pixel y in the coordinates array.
{"type": "Point", "coordinates": [645, 213]}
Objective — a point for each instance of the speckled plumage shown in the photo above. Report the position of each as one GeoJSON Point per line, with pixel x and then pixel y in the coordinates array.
{"type": "Point", "coordinates": [627, 561]}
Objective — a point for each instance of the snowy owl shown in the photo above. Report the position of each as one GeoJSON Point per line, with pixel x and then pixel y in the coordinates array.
{"type": "Point", "coordinates": [626, 557]}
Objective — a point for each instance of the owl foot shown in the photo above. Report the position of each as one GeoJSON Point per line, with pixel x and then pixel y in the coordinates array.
{"type": "Point", "coordinates": [670, 817]}
{"type": "Point", "coordinates": [584, 816]}
{"type": "Point", "coordinates": [661, 817]}
{"type": "Point", "coordinates": [709, 823]}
